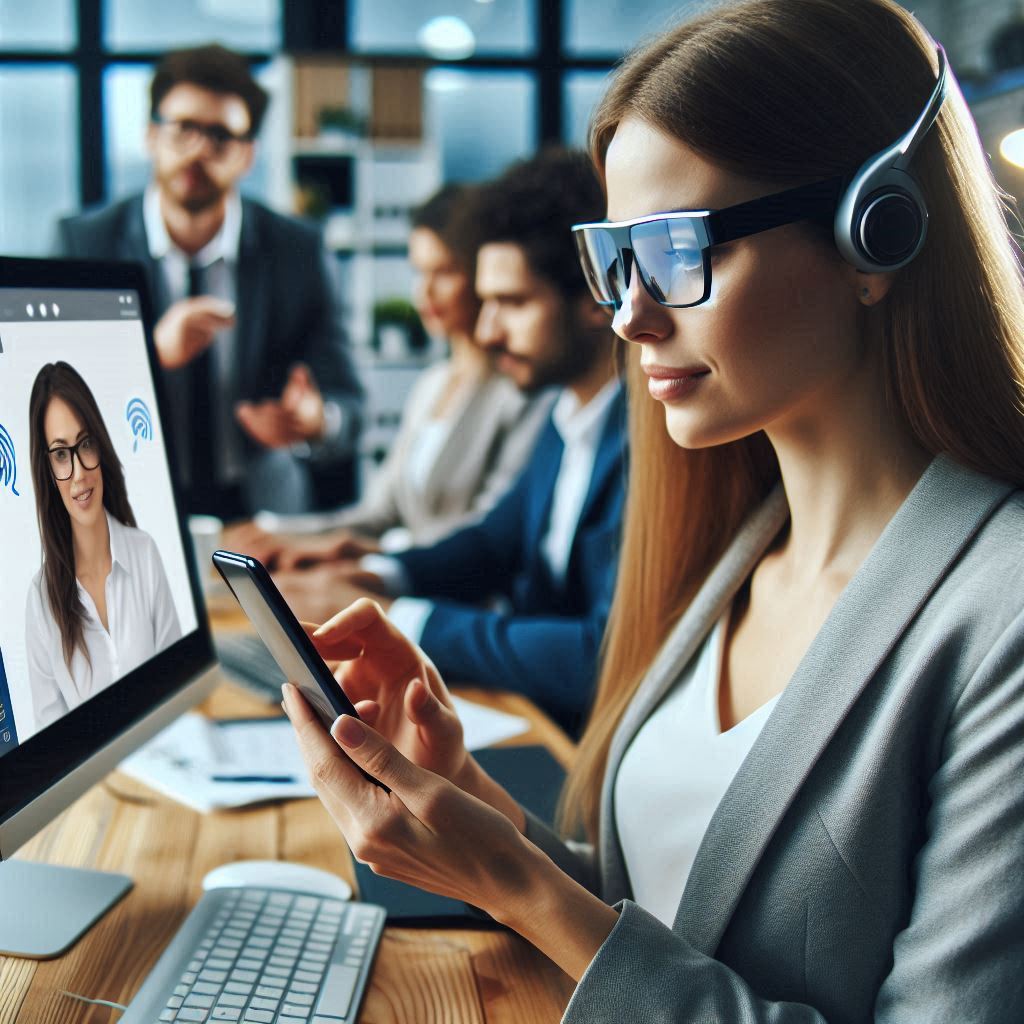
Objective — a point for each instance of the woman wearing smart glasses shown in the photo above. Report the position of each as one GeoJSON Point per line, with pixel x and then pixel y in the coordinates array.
{"type": "Point", "coordinates": [100, 605]}
{"type": "Point", "coordinates": [801, 781]}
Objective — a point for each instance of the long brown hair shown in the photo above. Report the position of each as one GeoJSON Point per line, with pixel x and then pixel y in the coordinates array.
{"type": "Point", "coordinates": [59, 380]}
{"type": "Point", "coordinates": [789, 91]}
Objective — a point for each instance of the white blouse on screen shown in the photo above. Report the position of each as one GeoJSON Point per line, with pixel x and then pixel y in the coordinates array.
{"type": "Point", "coordinates": [673, 777]}
{"type": "Point", "coordinates": [142, 622]}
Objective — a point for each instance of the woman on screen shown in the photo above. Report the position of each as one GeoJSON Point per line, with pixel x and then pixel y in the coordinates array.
{"type": "Point", "coordinates": [101, 605]}
{"type": "Point", "coordinates": [799, 797]}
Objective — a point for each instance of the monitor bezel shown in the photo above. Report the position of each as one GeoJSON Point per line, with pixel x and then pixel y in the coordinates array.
{"type": "Point", "coordinates": [153, 691]}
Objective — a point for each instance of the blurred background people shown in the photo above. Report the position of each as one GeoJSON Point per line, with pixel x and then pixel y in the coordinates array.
{"type": "Point", "coordinates": [466, 429]}
{"type": "Point", "coordinates": [549, 548]}
{"type": "Point", "coordinates": [100, 605]}
{"type": "Point", "coordinates": [265, 401]}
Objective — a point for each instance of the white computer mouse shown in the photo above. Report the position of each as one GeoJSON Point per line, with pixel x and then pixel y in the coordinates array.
{"type": "Point", "coordinates": [278, 874]}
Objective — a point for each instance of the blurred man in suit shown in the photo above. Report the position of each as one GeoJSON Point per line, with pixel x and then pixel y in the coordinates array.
{"type": "Point", "coordinates": [548, 550]}
{"type": "Point", "coordinates": [265, 403]}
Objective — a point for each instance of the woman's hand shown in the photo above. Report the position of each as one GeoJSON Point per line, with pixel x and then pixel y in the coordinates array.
{"type": "Point", "coordinates": [397, 690]}
{"type": "Point", "coordinates": [426, 831]}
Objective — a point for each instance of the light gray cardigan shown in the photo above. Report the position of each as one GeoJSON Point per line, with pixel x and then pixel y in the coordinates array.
{"type": "Point", "coordinates": [867, 862]}
{"type": "Point", "coordinates": [490, 441]}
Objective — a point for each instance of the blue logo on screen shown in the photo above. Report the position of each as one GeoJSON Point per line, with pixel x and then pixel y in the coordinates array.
{"type": "Point", "coordinates": [8, 463]}
{"type": "Point", "coordinates": [140, 423]}
{"type": "Point", "coordinates": [8, 730]}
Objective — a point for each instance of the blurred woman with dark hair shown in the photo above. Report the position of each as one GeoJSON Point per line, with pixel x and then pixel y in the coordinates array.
{"type": "Point", "coordinates": [101, 605]}
{"type": "Point", "coordinates": [466, 429]}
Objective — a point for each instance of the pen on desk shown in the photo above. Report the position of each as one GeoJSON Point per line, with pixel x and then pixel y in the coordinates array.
{"type": "Point", "coordinates": [253, 778]}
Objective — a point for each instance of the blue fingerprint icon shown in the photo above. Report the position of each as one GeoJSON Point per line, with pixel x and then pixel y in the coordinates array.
{"type": "Point", "coordinates": [140, 423]}
{"type": "Point", "coordinates": [8, 463]}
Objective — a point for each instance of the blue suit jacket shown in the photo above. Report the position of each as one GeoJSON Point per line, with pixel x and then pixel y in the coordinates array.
{"type": "Point", "coordinates": [547, 645]}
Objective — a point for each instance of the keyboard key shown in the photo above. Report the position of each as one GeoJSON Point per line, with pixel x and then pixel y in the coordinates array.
{"type": "Point", "coordinates": [242, 975]}
{"type": "Point", "coordinates": [199, 1000]}
{"type": "Point", "coordinates": [296, 1011]}
{"type": "Point", "coordinates": [259, 1016]}
{"type": "Point", "coordinates": [192, 1013]}
{"type": "Point", "coordinates": [299, 999]}
{"type": "Point", "coordinates": [233, 999]}
{"type": "Point", "coordinates": [169, 1014]}
{"type": "Point", "coordinates": [219, 963]}
{"type": "Point", "coordinates": [336, 994]}
{"type": "Point", "coordinates": [175, 1001]}
{"type": "Point", "coordinates": [269, 992]}
{"type": "Point", "coordinates": [250, 965]}
{"type": "Point", "coordinates": [310, 976]}
{"type": "Point", "coordinates": [225, 1013]}
{"type": "Point", "coordinates": [293, 1020]}
{"type": "Point", "coordinates": [214, 976]}
{"type": "Point", "coordinates": [304, 987]}
{"type": "Point", "coordinates": [264, 1004]}
{"type": "Point", "coordinates": [238, 988]}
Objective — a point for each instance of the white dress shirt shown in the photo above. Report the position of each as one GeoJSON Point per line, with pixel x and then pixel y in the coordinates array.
{"type": "Point", "coordinates": [673, 777]}
{"type": "Point", "coordinates": [580, 427]}
{"type": "Point", "coordinates": [141, 617]}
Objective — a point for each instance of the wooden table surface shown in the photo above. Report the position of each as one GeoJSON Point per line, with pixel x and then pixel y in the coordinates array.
{"type": "Point", "coordinates": [421, 976]}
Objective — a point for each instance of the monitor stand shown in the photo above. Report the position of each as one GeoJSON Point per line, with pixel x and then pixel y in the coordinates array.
{"type": "Point", "coordinates": [45, 908]}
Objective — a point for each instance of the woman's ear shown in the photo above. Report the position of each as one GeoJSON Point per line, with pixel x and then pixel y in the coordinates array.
{"type": "Point", "coordinates": [872, 288]}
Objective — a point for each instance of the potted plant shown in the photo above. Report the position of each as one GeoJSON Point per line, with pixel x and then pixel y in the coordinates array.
{"type": "Point", "coordinates": [397, 329]}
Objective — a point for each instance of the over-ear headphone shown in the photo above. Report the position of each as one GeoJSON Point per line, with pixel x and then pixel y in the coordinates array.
{"type": "Point", "coordinates": [881, 220]}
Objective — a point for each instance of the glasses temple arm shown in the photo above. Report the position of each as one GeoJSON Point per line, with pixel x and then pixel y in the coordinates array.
{"type": "Point", "coordinates": [816, 202]}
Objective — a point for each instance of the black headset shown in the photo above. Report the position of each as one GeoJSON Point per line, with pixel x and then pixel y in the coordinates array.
{"type": "Point", "coordinates": [881, 220]}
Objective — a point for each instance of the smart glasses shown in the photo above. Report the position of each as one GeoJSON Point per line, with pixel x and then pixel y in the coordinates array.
{"type": "Point", "coordinates": [62, 459]}
{"type": "Point", "coordinates": [185, 134]}
{"type": "Point", "coordinates": [671, 251]}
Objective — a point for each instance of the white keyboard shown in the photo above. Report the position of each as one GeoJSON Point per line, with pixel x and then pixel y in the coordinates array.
{"type": "Point", "coordinates": [263, 956]}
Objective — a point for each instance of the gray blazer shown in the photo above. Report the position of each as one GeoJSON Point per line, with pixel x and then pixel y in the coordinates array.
{"type": "Point", "coordinates": [493, 434]}
{"type": "Point", "coordinates": [867, 862]}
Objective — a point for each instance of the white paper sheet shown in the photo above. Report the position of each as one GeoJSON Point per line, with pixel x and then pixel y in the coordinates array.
{"type": "Point", "coordinates": [181, 761]}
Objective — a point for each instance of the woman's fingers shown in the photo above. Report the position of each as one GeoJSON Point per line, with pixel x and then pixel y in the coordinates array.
{"type": "Point", "coordinates": [423, 708]}
{"type": "Point", "coordinates": [369, 711]}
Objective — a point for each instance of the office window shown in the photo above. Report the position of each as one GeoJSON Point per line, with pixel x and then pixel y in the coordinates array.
{"type": "Point", "coordinates": [482, 120]}
{"type": "Point", "coordinates": [611, 28]}
{"type": "Point", "coordinates": [447, 29]}
{"type": "Point", "coordinates": [158, 25]}
{"type": "Point", "coordinates": [40, 25]}
{"type": "Point", "coordinates": [126, 118]}
{"type": "Point", "coordinates": [582, 90]}
{"type": "Point", "coordinates": [39, 161]}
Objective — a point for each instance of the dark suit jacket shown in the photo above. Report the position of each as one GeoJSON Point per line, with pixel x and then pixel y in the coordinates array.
{"type": "Point", "coordinates": [287, 311]}
{"type": "Point", "coordinates": [546, 646]}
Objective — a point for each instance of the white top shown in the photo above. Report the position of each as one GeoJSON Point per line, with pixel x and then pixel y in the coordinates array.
{"type": "Point", "coordinates": [580, 428]}
{"type": "Point", "coordinates": [673, 777]}
{"type": "Point", "coordinates": [140, 613]}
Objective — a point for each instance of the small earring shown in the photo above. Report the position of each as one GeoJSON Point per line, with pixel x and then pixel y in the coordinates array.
{"type": "Point", "coordinates": [865, 296]}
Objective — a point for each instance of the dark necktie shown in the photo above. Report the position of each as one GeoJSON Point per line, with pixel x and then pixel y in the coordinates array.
{"type": "Point", "coordinates": [202, 435]}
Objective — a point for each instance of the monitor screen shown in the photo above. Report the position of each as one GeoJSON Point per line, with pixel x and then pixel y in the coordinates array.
{"type": "Point", "coordinates": [102, 618]}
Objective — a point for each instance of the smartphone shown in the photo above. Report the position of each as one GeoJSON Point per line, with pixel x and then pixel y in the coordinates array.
{"type": "Point", "coordinates": [286, 640]}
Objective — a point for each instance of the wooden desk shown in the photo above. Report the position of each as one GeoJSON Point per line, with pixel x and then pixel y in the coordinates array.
{"type": "Point", "coordinates": [422, 976]}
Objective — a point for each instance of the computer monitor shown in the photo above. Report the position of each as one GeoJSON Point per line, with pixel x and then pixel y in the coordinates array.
{"type": "Point", "coordinates": [89, 668]}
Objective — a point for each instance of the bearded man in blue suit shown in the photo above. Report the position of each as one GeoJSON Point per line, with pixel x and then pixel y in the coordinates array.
{"type": "Point", "coordinates": [519, 600]}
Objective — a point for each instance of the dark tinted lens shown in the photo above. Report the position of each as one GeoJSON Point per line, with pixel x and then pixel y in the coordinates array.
{"type": "Point", "coordinates": [602, 267]}
{"type": "Point", "coordinates": [670, 259]}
